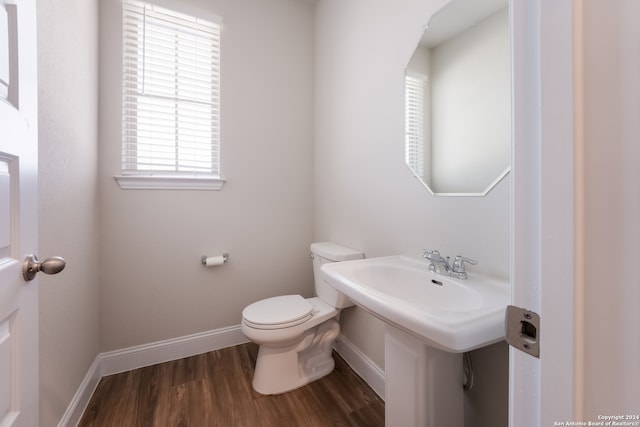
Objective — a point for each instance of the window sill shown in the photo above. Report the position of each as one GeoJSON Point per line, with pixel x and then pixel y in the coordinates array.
{"type": "Point", "coordinates": [160, 182]}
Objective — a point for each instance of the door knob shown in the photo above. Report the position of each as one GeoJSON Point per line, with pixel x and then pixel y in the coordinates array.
{"type": "Point", "coordinates": [31, 266]}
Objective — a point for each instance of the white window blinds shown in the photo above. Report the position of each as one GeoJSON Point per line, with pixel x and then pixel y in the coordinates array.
{"type": "Point", "coordinates": [414, 123]}
{"type": "Point", "coordinates": [171, 80]}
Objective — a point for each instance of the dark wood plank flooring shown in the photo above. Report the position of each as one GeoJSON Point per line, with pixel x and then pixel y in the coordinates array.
{"type": "Point", "coordinates": [214, 389]}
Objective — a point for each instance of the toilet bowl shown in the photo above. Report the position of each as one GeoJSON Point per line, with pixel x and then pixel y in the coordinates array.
{"type": "Point", "coordinates": [295, 334]}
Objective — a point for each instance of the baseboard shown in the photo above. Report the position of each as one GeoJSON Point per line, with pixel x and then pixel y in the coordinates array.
{"type": "Point", "coordinates": [127, 359]}
{"type": "Point", "coordinates": [371, 373]}
{"type": "Point", "coordinates": [136, 357]}
{"type": "Point", "coordinates": [80, 400]}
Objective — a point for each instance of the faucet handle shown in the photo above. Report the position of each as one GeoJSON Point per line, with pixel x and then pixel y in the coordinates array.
{"type": "Point", "coordinates": [431, 255]}
{"type": "Point", "coordinates": [458, 266]}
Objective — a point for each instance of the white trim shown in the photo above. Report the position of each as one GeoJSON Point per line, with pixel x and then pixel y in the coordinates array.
{"type": "Point", "coordinates": [524, 370]}
{"type": "Point", "coordinates": [556, 292]}
{"type": "Point", "coordinates": [371, 373]}
{"type": "Point", "coordinates": [157, 182]}
{"type": "Point", "coordinates": [542, 391]}
{"type": "Point", "coordinates": [145, 355]}
{"type": "Point", "coordinates": [80, 400]}
{"type": "Point", "coordinates": [127, 359]}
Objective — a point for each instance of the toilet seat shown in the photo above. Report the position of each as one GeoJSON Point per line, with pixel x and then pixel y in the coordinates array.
{"type": "Point", "coordinates": [277, 312]}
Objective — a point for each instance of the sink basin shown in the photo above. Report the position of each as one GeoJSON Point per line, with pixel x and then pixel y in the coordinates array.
{"type": "Point", "coordinates": [447, 313]}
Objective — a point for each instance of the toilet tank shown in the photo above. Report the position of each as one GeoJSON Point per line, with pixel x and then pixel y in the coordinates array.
{"type": "Point", "coordinates": [325, 252]}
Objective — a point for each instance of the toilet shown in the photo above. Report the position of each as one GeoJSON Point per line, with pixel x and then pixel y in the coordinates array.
{"type": "Point", "coordinates": [295, 334]}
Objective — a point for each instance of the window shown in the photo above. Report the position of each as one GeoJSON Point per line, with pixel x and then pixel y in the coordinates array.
{"type": "Point", "coordinates": [414, 123]}
{"type": "Point", "coordinates": [170, 99]}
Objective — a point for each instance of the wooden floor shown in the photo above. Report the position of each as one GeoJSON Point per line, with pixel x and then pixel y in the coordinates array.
{"type": "Point", "coordinates": [214, 389]}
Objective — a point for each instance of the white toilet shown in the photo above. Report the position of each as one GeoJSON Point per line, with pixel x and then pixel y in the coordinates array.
{"type": "Point", "coordinates": [295, 334]}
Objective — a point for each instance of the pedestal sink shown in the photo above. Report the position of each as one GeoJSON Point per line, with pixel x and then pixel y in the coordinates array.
{"type": "Point", "coordinates": [430, 320]}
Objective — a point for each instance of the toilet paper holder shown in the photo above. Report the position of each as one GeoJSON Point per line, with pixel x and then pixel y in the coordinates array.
{"type": "Point", "coordinates": [203, 259]}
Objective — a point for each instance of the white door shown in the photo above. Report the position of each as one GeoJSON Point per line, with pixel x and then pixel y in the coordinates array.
{"type": "Point", "coordinates": [543, 391]}
{"type": "Point", "coordinates": [18, 213]}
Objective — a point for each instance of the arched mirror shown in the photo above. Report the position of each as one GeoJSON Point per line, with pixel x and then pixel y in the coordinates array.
{"type": "Point", "coordinates": [458, 99]}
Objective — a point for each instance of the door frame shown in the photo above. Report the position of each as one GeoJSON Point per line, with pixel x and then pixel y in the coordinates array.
{"type": "Point", "coordinates": [546, 190]}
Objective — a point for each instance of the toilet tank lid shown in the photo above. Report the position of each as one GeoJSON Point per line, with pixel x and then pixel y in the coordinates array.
{"type": "Point", "coordinates": [335, 252]}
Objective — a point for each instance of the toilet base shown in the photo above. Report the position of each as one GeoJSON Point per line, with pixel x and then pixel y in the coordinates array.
{"type": "Point", "coordinates": [282, 369]}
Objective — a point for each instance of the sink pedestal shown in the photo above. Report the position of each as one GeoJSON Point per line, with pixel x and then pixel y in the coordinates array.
{"type": "Point", "coordinates": [424, 385]}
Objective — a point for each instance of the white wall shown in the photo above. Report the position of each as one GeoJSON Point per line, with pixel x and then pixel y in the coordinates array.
{"type": "Point", "coordinates": [612, 208]}
{"type": "Point", "coordinates": [366, 197]}
{"type": "Point", "coordinates": [152, 286]}
{"type": "Point", "coordinates": [68, 114]}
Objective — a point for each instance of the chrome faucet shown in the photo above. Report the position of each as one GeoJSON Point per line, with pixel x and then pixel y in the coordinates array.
{"type": "Point", "coordinates": [440, 264]}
